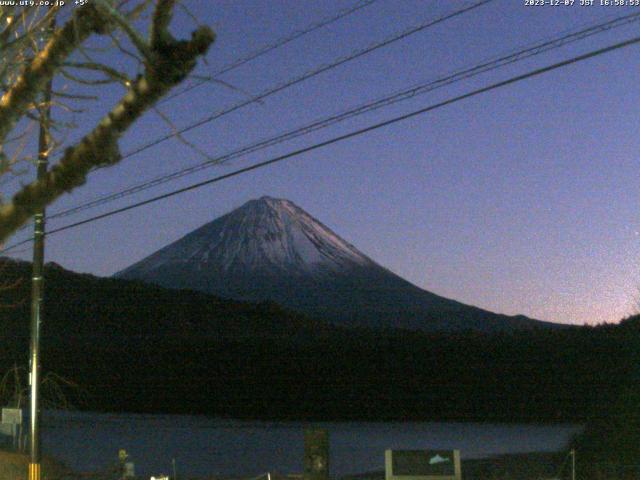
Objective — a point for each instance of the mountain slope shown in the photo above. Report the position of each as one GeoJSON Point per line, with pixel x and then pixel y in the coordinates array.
{"type": "Point", "coordinates": [142, 348]}
{"type": "Point", "coordinates": [82, 307]}
{"type": "Point", "coordinates": [271, 249]}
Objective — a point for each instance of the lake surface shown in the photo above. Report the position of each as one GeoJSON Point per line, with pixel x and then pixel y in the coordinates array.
{"type": "Point", "coordinates": [207, 446]}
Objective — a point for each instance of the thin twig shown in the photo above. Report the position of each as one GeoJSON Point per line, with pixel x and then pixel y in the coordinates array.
{"type": "Point", "coordinates": [137, 39]}
{"type": "Point", "coordinates": [179, 136]}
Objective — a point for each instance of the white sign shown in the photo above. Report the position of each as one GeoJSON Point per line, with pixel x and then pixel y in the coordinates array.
{"type": "Point", "coordinates": [129, 470]}
{"type": "Point", "coordinates": [422, 465]}
{"type": "Point", "coordinates": [12, 416]}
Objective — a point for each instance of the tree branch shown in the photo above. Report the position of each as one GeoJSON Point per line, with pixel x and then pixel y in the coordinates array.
{"type": "Point", "coordinates": [160, 23]}
{"type": "Point", "coordinates": [30, 83]}
{"type": "Point", "coordinates": [173, 61]}
{"type": "Point", "coordinates": [139, 42]}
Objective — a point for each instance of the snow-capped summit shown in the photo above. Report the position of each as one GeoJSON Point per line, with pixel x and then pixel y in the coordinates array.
{"type": "Point", "coordinates": [271, 249]}
{"type": "Point", "coordinates": [271, 233]}
{"type": "Point", "coordinates": [265, 236]}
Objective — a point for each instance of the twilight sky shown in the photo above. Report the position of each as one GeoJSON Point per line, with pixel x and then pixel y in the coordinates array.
{"type": "Point", "coordinates": [523, 200]}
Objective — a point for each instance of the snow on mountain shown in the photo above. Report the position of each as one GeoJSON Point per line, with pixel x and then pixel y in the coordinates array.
{"type": "Point", "coordinates": [271, 249]}
{"type": "Point", "coordinates": [266, 236]}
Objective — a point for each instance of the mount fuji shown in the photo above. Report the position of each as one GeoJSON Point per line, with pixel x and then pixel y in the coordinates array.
{"type": "Point", "coordinates": [271, 250]}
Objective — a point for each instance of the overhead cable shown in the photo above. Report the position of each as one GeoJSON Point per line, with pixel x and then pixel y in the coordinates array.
{"type": "Point", "coordinates": [346, 136]}
{"type": "Point", "coordinates": [325, 122]}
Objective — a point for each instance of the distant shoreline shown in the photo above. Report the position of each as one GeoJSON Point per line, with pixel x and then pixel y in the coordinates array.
{"type": "Point", "coordinates": [203, 446]}
{"type": "Point", "coordinates": [313, 420]}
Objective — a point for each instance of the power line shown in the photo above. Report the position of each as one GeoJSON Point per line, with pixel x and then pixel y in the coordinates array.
{"type": "Point", "coordinates": [310, 74]}
{"type": "Point", "coordinates": [277, 44]}
{"type": "Point", "coordinates": [306, 76]}
{"type": "Point", "coordinates": [270, 47]}
{"type": "Point", "coordinates": [346, 136]}
{"type": "Point", "coordinates": [420, 89]}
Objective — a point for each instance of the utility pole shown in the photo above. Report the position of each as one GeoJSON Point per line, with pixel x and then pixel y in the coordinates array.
{"type": "Point", "coordinates": [37, 281]}
{"type": "Point", "coordinates": [573, 464]}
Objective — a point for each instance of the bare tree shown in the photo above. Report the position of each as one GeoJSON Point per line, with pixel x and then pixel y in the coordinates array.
{"type": "Point", "coordinates": [31, 57]}
{"type": "Point", "coordinates": [57, 392]}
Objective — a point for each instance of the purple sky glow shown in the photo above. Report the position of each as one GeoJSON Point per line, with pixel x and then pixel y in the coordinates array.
{"type": "Point", "coordinates": [524, 200]}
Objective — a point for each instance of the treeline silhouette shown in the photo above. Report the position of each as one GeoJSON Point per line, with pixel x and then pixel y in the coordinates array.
{"type": "Point", "coordinates": [139, 348]}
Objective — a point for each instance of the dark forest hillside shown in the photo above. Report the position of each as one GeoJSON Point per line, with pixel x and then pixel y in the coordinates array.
{"type": "Point", "coordinates": [136, 347]}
